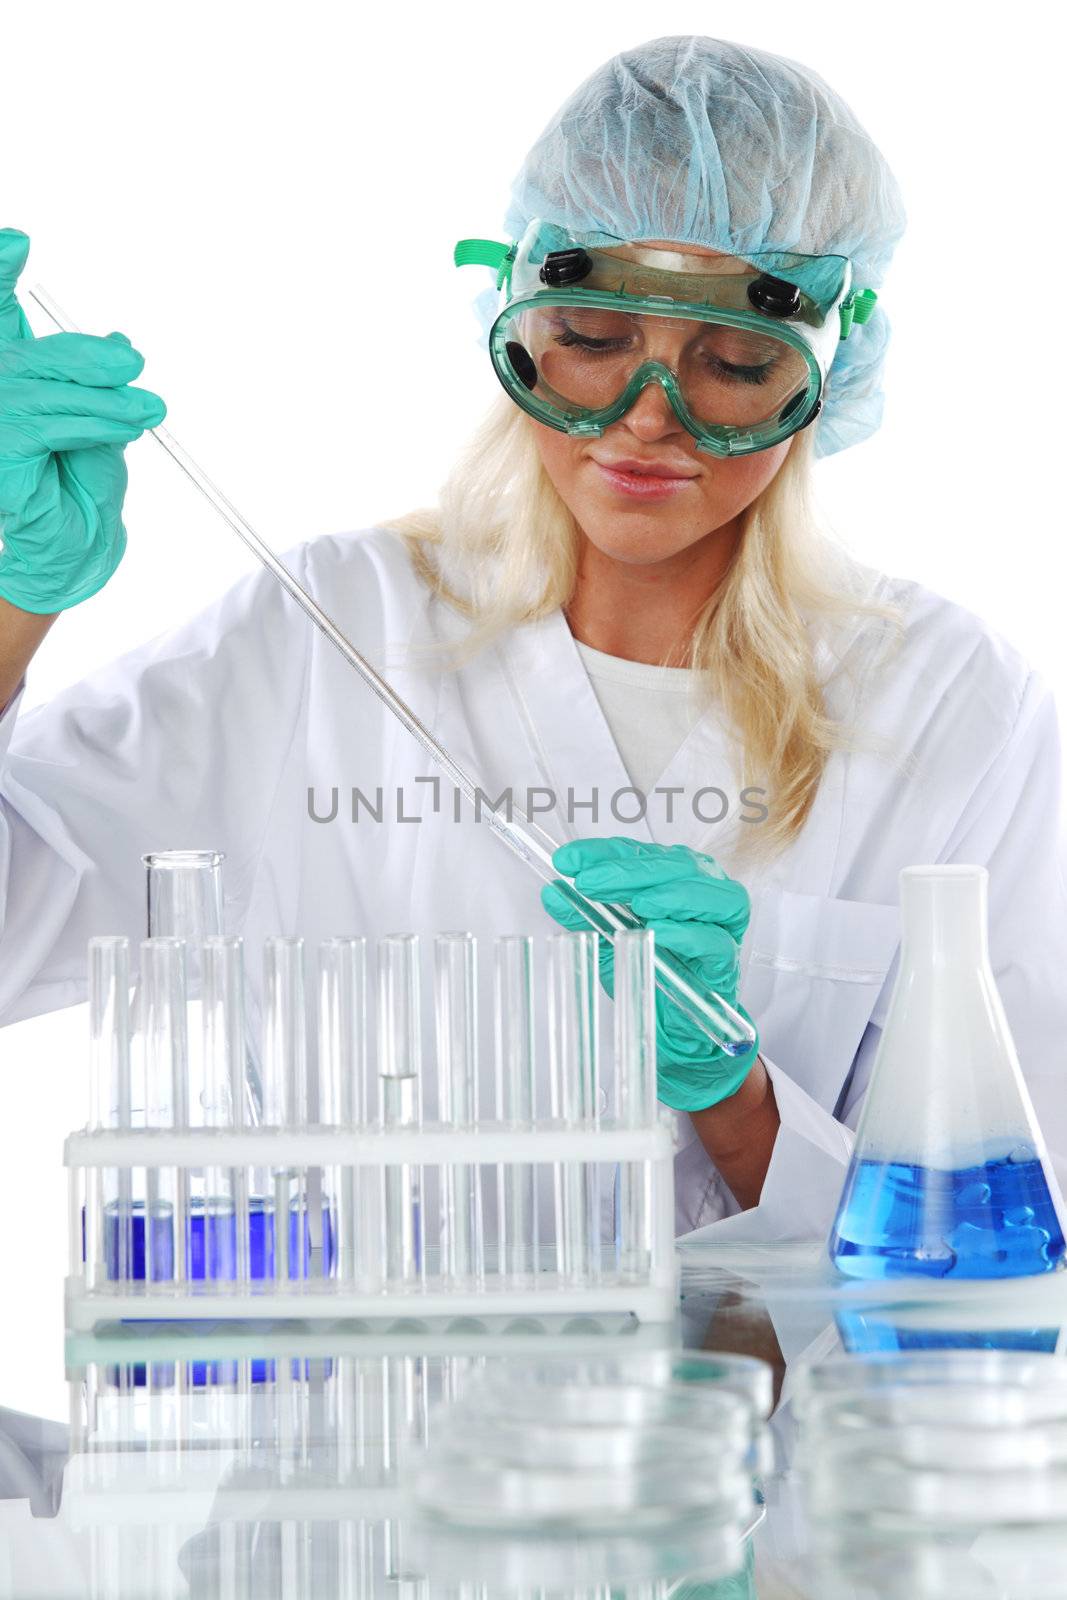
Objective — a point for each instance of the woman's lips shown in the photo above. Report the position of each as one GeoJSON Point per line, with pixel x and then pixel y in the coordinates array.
{"type": "Point", "coordinates": [640, 486]}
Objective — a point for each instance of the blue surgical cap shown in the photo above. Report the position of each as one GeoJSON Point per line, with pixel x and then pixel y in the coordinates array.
{"type": "Point", "coordinates": [703, 142]}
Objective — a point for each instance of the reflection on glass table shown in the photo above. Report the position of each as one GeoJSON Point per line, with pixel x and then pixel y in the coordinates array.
{"type": "Point", "coordinates": [283, 1464]}
{"type": "Point", "coordinates": [211, 1461]}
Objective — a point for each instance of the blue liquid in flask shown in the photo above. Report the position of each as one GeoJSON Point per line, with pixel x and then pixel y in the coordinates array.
{"type": "Point", "coordinates": [866, 1332]}
{"type": "Point", "coordinates": [996, 1220]}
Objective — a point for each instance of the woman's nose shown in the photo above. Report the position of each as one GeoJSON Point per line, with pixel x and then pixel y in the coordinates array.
{"type": "Point", "coordinates": [651, 416]}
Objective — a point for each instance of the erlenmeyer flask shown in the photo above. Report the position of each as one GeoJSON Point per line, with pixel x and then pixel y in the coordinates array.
{"type": "Point", "coordinates": [948, 1176]}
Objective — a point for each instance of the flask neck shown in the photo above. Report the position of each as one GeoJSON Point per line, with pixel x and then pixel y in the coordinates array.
{"type": "Point", "coordinates": [944, 916]}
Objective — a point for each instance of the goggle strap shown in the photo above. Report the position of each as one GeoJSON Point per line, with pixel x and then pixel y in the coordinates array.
{"type": "Point", "coordinates": [486, 253]}
{"type": "Point", "coordinates": [856, 309]}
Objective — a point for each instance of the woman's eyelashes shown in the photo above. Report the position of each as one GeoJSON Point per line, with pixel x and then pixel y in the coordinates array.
{"type": "Point", "coordinates": [731, 371]}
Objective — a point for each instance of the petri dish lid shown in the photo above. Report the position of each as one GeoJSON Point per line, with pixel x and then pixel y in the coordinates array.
{"type": "Point", "coordinates": [486, 1494]}
{"type": "Point", "coordinates": [578, 1404]}
{"type": "Point", "coordinates": [933, 1368]}
{"type": "Point", "coordinates": [515, 1441]}
{"type": "Point", "coordinates": [746, 1376]}
{"type": "Point", "coordinates": [947, 1449]}
{"type": "Point", "coordinates": [890, 1493]}
{"type": "Point", "coordinates": [972, 1406]}
{"type": "Point", "coordinates": [516, 1561]}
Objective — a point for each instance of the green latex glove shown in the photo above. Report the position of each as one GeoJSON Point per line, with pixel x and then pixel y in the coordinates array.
{"type": "Point", "coordinates": [66, 415]}
{"type": "Point", "coordinates": [699, 915]}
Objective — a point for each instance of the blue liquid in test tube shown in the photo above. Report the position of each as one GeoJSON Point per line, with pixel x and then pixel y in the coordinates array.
{"type": "Point", "coordinates": [212, 1243]}
{"type": "Point", "coordinates": [212, 1257]}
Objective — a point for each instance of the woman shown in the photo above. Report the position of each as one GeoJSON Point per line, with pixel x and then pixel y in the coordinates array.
{"type": "Point", "coordinates": [743, 733]}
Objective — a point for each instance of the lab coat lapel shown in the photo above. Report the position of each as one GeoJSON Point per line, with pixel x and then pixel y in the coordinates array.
{"type": "Point", "coordinates": [704, 811]}
{"type": "Point", "coordinates": [570, 742]}
{"type": "Point", "coordinates": [709, 812]}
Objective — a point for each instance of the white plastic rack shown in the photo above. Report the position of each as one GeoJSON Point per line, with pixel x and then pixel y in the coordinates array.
{"type": "Point", "coordinates": [324, 1287]}
{"type": "Point", "coordinates": [383, 1213]}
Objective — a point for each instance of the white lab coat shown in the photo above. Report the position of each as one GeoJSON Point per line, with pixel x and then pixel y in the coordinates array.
{"type": "Point", "coordinates": [212, 735]}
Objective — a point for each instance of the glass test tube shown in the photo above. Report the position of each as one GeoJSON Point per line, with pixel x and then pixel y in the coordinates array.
{"type": "Point", "coordinates": [635, 1092]}
{"type": "Point", "coordinates": [573, 1052]}
{"type": "Point", "coordinates": [163, 1032]}
{"type": "Point", "coordinates": [285, 1095]}
{"type": "Point", "coordinates": [226, 1210]}
{"type": "Point", "coordinates": [399, 1076]}
{"type": "Point", "coordinates": [515, 1104]}
{"type": "Point", "coordinates": [109, 1225]}
{"type": "Point", "coordinates": [456, 1015]}
{"type": "Point", "coordinates": [347, 1203]}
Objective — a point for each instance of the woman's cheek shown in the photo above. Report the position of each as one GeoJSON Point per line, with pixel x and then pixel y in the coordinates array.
{"type": "Point", "coordinates": [731, 486]}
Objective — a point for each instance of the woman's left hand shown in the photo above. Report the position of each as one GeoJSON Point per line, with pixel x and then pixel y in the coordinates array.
{"type": "Point", "coordinates": [699, 915]}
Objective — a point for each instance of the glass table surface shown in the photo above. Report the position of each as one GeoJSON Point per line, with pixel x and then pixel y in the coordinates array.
{"type": "Point", "coordinates": [279, 1460]}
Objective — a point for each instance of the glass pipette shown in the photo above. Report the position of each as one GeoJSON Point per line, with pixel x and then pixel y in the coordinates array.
{"type": "Point", "coordinates": [725, 1027]}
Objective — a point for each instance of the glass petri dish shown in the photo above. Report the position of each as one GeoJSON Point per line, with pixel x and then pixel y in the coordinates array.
{"type": "Point", "coordinates": [963, 1404]}
{"type": "Point", "coordinates": [850, 1374]}
{"type": "Point", "coordinates": [469, 1490]}
{"type": "Point", "coordinates": [948, 1449]}
{"type": "Point", "coordinates": [746, 1376]}
{"type": "Point", "coordinates": [515, 1441]}
{"type": "Point", "coordinates": [581, 1405]}
{"type": "Point", "coordinates": [895, 1493]}
{"type": "Point", "coordinates": [519, 1562]}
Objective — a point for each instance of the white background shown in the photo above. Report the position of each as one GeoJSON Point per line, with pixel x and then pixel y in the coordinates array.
{"type": "Point", "coordinates": [266, 200]}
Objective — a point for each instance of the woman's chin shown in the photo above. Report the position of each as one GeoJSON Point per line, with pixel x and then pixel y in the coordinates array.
{"type": "Point", "coordinates": [639, 540]}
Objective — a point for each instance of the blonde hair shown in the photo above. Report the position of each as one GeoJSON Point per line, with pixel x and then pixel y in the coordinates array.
{"type": "Point", "coordinates": [502, 548]}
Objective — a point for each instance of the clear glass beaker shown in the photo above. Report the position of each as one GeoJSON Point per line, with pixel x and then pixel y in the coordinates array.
{"type": "Point", "coordinates": [184, 901]}
{"type": "Point", "coordinates": [184, 889]}
{"type": "Point", "coordinates": [949, 1176]}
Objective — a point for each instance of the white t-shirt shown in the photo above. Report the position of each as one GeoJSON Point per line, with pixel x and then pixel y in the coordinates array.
{"type": "Point", "coordinates": [650, 710]}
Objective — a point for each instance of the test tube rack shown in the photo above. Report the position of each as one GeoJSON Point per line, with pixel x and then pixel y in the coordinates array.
{"type": "Point", "coordinates": [176, 1221]}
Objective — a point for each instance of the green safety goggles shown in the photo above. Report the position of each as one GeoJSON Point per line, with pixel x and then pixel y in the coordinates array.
{"type": "Point", "coordinates": [741, 348]}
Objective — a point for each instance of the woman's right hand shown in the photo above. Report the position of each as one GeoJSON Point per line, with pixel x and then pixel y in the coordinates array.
{"type": "Point", "coordinates": [66, 415]}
